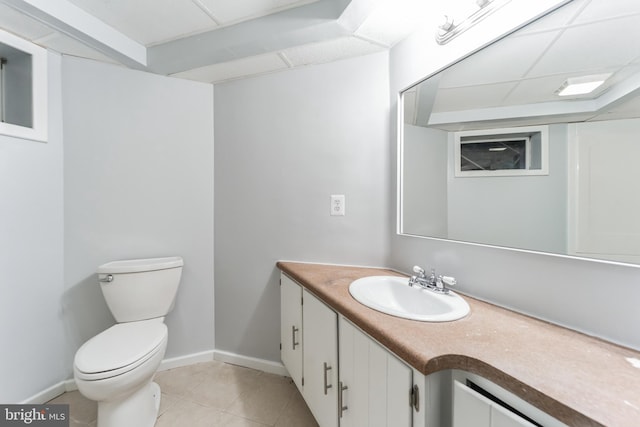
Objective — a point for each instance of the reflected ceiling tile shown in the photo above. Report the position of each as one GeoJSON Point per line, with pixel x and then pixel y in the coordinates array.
{"type": "Point", "coordinates": [558, 19]}
{"type": "Point", "coordinates": [244, 67]}
{"type": "Point", "coordinates": [235, 11]}
{"type": "Point", "coordinates": [574, 55]}
{"type": "Point", "coordinates": [509, 60]}
{"type": "Point", "coordinates": [533, 91]}
{"type": "Point", "coordinates": [21, 25]}
{"type": "Point", "coordinates": [601, 9]}
{"type": "Point", "coordinates": [150, 21]}
{"type": "Point", "coordinates": [331, 50]}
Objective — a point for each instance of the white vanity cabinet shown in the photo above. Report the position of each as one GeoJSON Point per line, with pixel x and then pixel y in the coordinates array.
{"type": "Point", "coordinates": [309, 349]}
{"type": "Point", "coordinates": [291, 328]}
{"type": "Point", "coordinates": [375, 386]}
{"type": "Point", "coordinates": [320, 360]}
{"type": "Point", "coordinates": [363, 385]}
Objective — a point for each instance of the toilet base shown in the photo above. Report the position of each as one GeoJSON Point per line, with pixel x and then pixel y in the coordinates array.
{"type": "Point", "coordinates": [139, 409]}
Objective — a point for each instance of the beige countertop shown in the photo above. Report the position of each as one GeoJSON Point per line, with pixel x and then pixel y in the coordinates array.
{"type": "Point", "coordinates": [578, 379]}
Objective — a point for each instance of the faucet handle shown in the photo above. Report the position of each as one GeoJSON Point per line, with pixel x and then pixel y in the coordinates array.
{"type": "Point", "coordinates": [419, 271]}
{"type": "Point", "coordinates": [443, 281]}
{"type": "Point", "coordinates": [448, 280]}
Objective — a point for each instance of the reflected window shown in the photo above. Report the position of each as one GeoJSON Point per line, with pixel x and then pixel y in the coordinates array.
{"type": "Point", "coordinates": [493, 155]}
{"type": "Point", "coordinates": [502, 152]}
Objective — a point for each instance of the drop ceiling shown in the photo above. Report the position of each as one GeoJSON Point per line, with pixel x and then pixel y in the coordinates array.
{"type": "Point", "coordinates": [211, 40]}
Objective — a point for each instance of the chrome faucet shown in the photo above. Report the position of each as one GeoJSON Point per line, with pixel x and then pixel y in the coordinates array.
{"type": "Point", "coordinates": [434, 283]}
{"type": "Point", "coordinates": [421, 278]}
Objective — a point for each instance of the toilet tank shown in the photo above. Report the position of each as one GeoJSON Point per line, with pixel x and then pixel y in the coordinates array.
{"type": "Point", "coordinates": [140, 289]}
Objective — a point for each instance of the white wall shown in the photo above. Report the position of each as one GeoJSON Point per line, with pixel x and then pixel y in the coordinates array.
{"type": "Point", "coordinates": [284, 143]}
{"type": "Point", "coordinates": [138, 174]}
{"type": "Point", "coordinates": [572, 292]}
{"type": "Point", "coordinates": [32, 355]}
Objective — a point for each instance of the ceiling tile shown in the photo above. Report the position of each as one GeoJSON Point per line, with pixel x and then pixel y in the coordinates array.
{"type": "Point", "coordinates": [150, 21]}
{"type": "Point", "coordinates": [393, 21]}
{"type": "Point", "coordinates": [227, 12]}
{"type": "Point", "coordinates": [21, 25]}
{"type": "Point", "coordinates": [235, 69]}
{"type": "Point", "coordinates": [331, 50]}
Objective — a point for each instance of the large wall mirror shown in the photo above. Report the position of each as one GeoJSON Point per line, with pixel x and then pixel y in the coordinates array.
{"type": "Point", "coordinates": [534, 141]}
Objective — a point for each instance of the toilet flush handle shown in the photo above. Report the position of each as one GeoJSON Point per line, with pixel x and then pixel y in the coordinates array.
{"type": "Point", "coordinates": [108, 278]}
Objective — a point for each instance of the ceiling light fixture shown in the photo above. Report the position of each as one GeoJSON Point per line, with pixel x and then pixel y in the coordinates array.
{"type": "Point", "coordinates": [453, 25]}
{"type": "Point", "coordinates": [581, 85]}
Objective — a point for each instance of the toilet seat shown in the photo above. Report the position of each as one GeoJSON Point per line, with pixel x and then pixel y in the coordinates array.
{"type": "Point", "coordinates": [120, 349]}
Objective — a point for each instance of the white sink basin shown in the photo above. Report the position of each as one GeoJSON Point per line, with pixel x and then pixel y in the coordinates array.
{"type": "Point", "coordinates": [393, 295]}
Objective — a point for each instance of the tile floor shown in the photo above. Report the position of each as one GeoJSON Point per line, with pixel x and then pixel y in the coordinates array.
{"type": "Point", "coordinates": [214, 394]}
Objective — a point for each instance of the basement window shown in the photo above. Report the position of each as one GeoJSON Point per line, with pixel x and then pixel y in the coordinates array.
{"type": "Point", "coordinates": [23, 88]}
{"type": "Point", "coordinates": [502, 152]}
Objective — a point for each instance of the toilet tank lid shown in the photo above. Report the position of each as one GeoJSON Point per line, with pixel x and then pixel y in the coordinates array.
{"type": "Point", "coordinates": [139, 265]}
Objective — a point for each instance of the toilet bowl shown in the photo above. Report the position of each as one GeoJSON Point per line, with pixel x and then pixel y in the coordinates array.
{"type": "Point", "coordinates": [116, 367]}
{"type": "Point", "coordinates": [113, 366]}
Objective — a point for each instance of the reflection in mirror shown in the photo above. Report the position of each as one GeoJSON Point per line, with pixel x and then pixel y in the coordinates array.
{"type": "Point", "coordinates": [586, 203]}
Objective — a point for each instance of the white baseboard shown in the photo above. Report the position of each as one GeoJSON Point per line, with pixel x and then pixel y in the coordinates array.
{"type": "Point", "coordinates": [174, 362]}
{"type": "Point", "coordinates": [251, 362]}
{"type": "Point", "coordinates": [46, 395]}
{"type": "Point", "coordinates": [189, 359]}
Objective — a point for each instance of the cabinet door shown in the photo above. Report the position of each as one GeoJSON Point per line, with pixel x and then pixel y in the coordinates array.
{"type": "Point", "coordinates": [354, 374]}
{"type": "Point", "coordinates": [320, 360]}
{"type": "Point", "coordinates": [399, 385]}
{"type": "Point", "coordinates": [500, 417]}
{"type": "Point", "coordinates": [291, 328]}
{"type": "Point", "coordinates": [470, 409]}
{"type": "Point", "coordinates": [377, 383]}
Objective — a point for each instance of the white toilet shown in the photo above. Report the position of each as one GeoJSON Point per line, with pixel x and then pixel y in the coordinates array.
{"type": "Point", "coordinates": [115, 368]}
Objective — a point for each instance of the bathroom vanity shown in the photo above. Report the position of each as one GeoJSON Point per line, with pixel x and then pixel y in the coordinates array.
{"type": "Point", "coordinates": [356, 366]}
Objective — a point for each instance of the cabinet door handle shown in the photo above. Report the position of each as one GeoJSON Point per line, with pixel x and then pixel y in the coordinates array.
{"type": "Point", "coordinates": [341, 404]}
{"type": "Point", "coordinates": [293, 337]}
{"type": "Point", "coordinates": [327, 386]}
{"type": "Point", "coordinates": [415, 398]}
